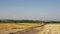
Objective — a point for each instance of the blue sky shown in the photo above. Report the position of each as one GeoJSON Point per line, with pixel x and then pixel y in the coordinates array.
{"type": "Point", "coordinates": [30, 9]}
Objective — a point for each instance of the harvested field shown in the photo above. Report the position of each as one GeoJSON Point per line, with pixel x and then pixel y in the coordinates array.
{"type": "Point", "coordinates": [30, 28]}
{"type": "Point", "coordinates": [8, 28]}
{"type": "Point", "coordinates": [51, 29]}
{"type": "Point", "coordinates": [16, 26]}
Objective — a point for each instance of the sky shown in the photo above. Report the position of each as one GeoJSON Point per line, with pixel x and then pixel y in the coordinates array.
{"type": "Point", "coordinates": [47, 10]}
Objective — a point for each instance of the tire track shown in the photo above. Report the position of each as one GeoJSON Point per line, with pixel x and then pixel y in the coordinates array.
{"type": "Point", "coordinates": [32, 30]}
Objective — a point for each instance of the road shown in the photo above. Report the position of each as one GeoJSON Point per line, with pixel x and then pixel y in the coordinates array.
{"type": "Point", "coordinates": [33, 30]}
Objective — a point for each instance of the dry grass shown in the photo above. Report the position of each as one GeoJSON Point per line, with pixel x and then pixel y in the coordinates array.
{"type": "Point", "coordinates": [51, 29]}
{"type": "Point", "coordinates": [8, 28]}
{"type": "Point", "coordinates": [17, 26]}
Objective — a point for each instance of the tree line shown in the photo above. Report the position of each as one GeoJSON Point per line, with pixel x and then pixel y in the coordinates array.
{"type": "Point", "coordinates": [27, 21]}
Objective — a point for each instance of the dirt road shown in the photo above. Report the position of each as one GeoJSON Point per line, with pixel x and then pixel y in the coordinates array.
{"type": "Point", "coordinates": [33, 30]}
